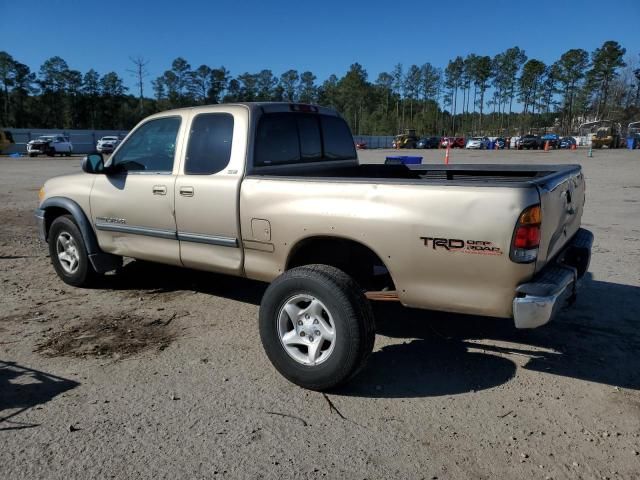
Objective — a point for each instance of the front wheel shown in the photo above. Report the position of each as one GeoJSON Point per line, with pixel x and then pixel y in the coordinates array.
{"type": "Point", "coordinates": [316, 326]}
{"type": "Point", "coordinates": [69, 254]}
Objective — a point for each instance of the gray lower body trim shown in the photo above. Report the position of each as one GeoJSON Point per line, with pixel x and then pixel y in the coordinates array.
{"type": "Point", "coordinates": [149, 232]}
{"type": "Point", "coordinates": [169, 234]}
{"type": "Point", "coordinates": [208, 239]}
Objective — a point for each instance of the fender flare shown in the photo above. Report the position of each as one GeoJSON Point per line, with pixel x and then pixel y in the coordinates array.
{"type": "Point", "coordinates": [88, 235]}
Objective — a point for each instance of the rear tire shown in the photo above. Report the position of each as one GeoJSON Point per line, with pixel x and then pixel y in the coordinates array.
{"type": "Point", "coordinates": [316, 326]}
{"type": "Point", "coordinates": [69, 254]}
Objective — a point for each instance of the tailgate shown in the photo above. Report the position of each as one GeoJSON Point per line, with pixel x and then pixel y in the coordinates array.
{"type": "Point", "coordinates": [562, 199]}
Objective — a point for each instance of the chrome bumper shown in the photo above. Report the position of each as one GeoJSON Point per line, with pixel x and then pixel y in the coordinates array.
{"type": "Point", "coordinates": [42, 231]}
{"type": "Point", "coordinates": [537, 302]}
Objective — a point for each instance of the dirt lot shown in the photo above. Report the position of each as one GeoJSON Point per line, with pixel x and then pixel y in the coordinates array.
{"type": "Point", "coordinates": [159, 373]}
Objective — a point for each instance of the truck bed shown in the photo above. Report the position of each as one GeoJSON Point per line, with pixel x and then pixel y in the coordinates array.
{"type": "Point", "coordinates": [558, 188]}
{"type": "Point", "coordinates": [437, 174]}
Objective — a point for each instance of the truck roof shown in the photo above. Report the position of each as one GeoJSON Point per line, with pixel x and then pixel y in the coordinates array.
{"type": "Point", "coordinates": [265, 107]}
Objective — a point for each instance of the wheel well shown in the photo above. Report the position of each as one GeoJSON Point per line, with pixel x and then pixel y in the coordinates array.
{"type": "Point", "coordinates": [353, 258]}
{"type": "Point", "coordinates": [51, 213]}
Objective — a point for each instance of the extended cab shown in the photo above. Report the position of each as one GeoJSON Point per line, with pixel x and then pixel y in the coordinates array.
{"type": "Point", "coordinates": [275, 192]}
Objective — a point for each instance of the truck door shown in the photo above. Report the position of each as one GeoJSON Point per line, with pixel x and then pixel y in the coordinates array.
{"type": "Point", "coordinates": [132, 207]}
{"type": "Point", "coordinates": [207, 191]}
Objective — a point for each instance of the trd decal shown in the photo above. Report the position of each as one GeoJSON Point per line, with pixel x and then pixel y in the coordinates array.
{"type": "Point", "coordinates": [479, 247]}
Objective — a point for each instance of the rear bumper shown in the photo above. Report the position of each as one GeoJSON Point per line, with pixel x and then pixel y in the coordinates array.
{"type": "Point", "coordinates": [538, 301]}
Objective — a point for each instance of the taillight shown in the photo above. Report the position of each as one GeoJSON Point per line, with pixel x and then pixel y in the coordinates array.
{"type": "Point", "coordinates": [526, 238]}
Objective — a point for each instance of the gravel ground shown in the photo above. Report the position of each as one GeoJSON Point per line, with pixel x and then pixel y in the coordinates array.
{"type": "Point", "coordinates": [159, 373]}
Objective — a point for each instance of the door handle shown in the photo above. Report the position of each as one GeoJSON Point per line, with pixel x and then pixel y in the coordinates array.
{"type": "Point", "coordinates": [186, 191]}
{"type": "Point", "coordinates": [159, 190]}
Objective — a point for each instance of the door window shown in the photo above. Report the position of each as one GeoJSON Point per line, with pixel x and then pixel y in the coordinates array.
{"type": "Point", "coordinates": [150, 148]}
{"type": "Point", "coordinates": [209, 148]}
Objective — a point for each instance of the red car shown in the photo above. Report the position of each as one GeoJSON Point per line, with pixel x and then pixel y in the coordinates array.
{"type": "Point", "coordinates": [452, 142]}
{"type": "Point", "coordinates": [361, 146]}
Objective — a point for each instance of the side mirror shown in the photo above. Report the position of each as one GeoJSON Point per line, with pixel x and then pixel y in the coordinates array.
{"type": "Point", "coordinates": [93, 163]}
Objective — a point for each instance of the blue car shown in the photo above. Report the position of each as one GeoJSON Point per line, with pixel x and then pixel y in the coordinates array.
{"type": "Point", "coordinates": [552, 138]}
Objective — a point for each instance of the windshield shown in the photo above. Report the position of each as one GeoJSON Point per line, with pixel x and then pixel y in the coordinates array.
{"type": "Point", "coordinates": [109, 138]}
{"type": "Point", "coordinates": [46, 138]}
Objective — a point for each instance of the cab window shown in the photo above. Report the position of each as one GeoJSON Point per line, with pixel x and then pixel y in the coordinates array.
{"type": "Point", "coordinates": [289, 138]}
{"type": "Point", "coordinates": [150, 148]}
{"type": "Point", "coordinates": [209, 148]}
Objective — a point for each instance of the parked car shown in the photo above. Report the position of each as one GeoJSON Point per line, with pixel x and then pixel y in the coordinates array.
{"type": "Point", "coordinates": [452, 142]}
{"type": "Point", "coordinates": [294, 207]}
{"type": "Point", "coordinates": [107, 144]}
{"type": "Point", "coordinates": [361, 146]}
{"type": "Point", "coordinates": [500, 143]}
{"type": "Point", "coordinates": [529, 142]}
{"type": "Point", "coordinates": [428, 142]}
{"type": "Point", "coordinates": [567, 142]}
{"type": "Point", "coordinates": [50, 145]}
{"type": "Point", "coordinates": [552, 138]}
{"type": "Point", "coordinates": [480, 143]}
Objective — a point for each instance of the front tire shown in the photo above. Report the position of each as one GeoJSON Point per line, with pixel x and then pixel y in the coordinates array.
{"type": "Point", "coordinates": [316, 326]}
{"type": "Point", "coordinates": [69, 254]}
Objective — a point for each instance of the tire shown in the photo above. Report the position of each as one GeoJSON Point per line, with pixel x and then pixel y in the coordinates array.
{"type": "Point", "coordinates": [333, 299]}
{"type": "Point", "coordinates": [33, 155]}
{"type": "Point", "coordinates": [65, 235]}
{"type": "Point", "coordinates": [51, 153]}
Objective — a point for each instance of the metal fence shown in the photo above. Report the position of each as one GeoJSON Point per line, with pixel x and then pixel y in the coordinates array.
{"type": "Point", "coordinates": [83, 141]}
{"type": "Point", "coordinates": [375, 141]}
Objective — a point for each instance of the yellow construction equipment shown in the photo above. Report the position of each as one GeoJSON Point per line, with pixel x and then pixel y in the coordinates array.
{"type": "Point", "coordinates": [603, 133]}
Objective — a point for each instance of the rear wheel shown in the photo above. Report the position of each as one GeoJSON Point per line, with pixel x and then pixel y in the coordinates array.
{"type": "Point", "coordinates": [316, 326]}
{"type": "Point", "coordinates": [69, 254]}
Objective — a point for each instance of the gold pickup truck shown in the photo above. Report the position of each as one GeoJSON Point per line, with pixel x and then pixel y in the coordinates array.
{"type": "Point", "coordinates": [275, 192]}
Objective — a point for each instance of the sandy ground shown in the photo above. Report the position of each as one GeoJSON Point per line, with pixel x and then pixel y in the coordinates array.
{"type": "Point", "coordinates": [159, 373]}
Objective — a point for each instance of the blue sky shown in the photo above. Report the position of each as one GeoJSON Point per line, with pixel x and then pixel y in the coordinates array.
{"type": "Point", "coordinates": [324, 37]}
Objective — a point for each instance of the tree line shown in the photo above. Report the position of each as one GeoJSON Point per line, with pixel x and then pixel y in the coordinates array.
{"type": "Point", "coordinates": [506, 94]}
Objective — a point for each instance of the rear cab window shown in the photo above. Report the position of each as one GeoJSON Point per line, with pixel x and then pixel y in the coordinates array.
{"type": "Point", "coordinates": [292, 138]}
{"type": "Point", "coordinates": [210, 141]}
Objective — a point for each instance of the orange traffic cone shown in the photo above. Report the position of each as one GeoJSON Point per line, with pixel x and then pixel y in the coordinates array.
{"type": "Point", "coordinates": [546, 146]}
{"type": "Point", "coordinates": [446, 156]}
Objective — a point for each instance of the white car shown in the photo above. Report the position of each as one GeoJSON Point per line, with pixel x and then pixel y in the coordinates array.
{"type": "Point", "coordinates": [478, 142]}
{"type": "Point", "coordinates": [50, 145]}
{"type": "Point", "coordinates": [107, 144]}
